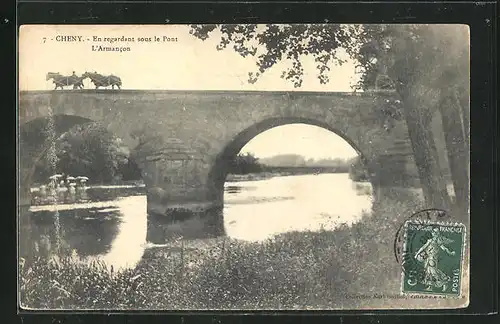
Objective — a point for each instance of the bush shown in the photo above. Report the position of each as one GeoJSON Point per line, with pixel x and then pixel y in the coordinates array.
{"type": "Point", "coordinates": [357, 170]}
{"type": "Point", "coordinates": [244, 164]}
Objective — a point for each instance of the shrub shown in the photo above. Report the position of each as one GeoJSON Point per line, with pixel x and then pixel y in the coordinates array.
{"type": "Point", "coordinates": [357, 170]}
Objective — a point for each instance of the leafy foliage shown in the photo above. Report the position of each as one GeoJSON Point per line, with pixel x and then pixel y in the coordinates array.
{"type": "Point", "coordinates": [244, 164]}
{"type": "Point", "coordinates": [421, 60]}
{"type": "Point", "coordinates": [357, 170]}
{"type": "Point", "coordinates": [90, 150]}
{"type": "Point", "coordinates": [273, 43]}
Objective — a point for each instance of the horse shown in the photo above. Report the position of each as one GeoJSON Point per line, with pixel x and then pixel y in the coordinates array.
{"type": "Point", "coordinates": [62, 81]}
{"type": "Point", "coordinates": [103, 80]}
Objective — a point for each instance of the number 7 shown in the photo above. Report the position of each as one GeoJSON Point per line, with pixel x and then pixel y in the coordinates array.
{"type": "Point", "coordinates": [44, 39]}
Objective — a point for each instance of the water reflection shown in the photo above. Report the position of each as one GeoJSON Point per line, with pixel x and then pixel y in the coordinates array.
{"type": "Point", "coordinates": [185, 224]}
{"type": "Point", "coordinates": [106, 193]}
{"type": "Point", "coordinates": [128, 246]}
{"type": "Point", "coordinates": [293, 203]}
{"type": "Point", "coordinates": [115, 231]}
{"type": "Point", "coordinates": [113, 226]}
{"type": "Point", "coordinates": [88, 231]}
{"type": "Point", "coordinates": [233, 189]}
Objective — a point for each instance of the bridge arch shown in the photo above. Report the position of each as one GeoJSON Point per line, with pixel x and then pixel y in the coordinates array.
{"type": "Point", "coordinates": [218, 171]}
{"type": "Point", "coordinates": [182, 139]}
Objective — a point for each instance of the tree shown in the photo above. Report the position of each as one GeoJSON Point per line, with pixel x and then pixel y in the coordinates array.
{"type": "Point", "coordinates": [409, 58]}
{"type": "Point", "coordinates": [429, 64]}
{"type": "Point", "coordinates": [88, 150]}
{"type": "Point", "coordinates": [454, 108]}
{"type": "Point", "coordinates": [244, 164]}
{"type": "Point", "coordinates": [357, 170]}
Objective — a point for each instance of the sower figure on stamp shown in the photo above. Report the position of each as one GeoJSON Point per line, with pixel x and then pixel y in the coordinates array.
{"type": "Point", "coordinates": [429, 255]}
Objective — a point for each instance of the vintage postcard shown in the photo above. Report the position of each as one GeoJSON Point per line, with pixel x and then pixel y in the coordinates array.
{"type": "Point", "coordinates": [243, 167]}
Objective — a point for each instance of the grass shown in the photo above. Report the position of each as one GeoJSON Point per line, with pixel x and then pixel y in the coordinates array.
{"type": "Point", "coordinates": [298, 270]}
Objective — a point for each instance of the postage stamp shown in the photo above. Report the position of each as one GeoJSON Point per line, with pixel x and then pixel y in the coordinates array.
{"type": "Point", "coordinates": [433, 258]}
{"type": "Point", "coordinates": [429, 215]}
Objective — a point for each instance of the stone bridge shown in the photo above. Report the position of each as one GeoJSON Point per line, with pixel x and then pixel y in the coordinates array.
{"type": "Point", "coordinates": [183, 140]}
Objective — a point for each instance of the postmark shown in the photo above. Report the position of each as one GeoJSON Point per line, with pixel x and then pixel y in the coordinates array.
{"type": "Point", "coordinates": [430, 214]}
{"type": "Point", "coordinates": [433, 258]}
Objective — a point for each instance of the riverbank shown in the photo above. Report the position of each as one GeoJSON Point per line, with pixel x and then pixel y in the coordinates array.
{"type": "Point", "coordinates": [125, 185]}
{"type": "Point", "coordinates": [253, 176]}
{"type": "Point", "coordinates": [298, 270]}
{"type": "Point", "coordinates": [268, 175]}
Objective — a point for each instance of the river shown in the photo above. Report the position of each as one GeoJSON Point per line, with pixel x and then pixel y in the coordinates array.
{"type": "Point", "coordinates": [114, 227]}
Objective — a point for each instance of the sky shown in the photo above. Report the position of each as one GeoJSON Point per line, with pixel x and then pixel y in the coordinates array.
{"type": "Point", "coordinates": [314, 142]}
{"type": "Point", "coordinates": [181, 63]}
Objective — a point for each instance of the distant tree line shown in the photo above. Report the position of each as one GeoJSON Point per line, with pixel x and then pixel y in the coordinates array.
{"type": "Point", "coordinates": [88, 150]}
{"type": "Point", "coordinates": [248, 163]}
{"type": "Point", "coordinates": [297, 160]}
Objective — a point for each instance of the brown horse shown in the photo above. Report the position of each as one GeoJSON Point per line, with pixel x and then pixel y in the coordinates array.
{"type": "Point", "coordinates": [103, 80]}
{"type": "Point", "coordinates": [62, 81]}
